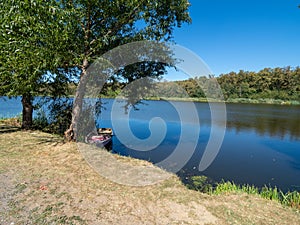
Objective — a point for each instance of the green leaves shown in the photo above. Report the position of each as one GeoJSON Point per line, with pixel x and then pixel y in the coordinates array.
{"type": "Point", "coordinates": [47, 39]}
{"type": "Point", "coordinates": [30, 44]}
{"type": "Point", "coordinates": [276, 83]}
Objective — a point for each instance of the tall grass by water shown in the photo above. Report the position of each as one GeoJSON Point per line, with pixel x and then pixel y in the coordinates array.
{"type": "Point", "coordinates": [203, 184]}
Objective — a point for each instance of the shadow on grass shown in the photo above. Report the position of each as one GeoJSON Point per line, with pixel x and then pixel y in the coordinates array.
{"type": "Point", "coordinates": [8, 129]}
{"type": "Point", "coordinates": [39, 138]}
{"type": "Point", "coordinates": [48, 140]}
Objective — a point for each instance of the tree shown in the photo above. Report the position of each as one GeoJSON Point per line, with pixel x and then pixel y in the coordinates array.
{"type": "Point", "coordinates": [276, 83]}
{"type": "Point", "coordinates": [42, 41]}
{"type": "Point", "coordinates": [32, 51]}
{"type": "Point", "coordinates": [104, 25]}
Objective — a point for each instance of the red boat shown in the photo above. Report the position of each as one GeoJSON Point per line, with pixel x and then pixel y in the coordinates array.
{"type": "Point", "coordinates": [100, 140]}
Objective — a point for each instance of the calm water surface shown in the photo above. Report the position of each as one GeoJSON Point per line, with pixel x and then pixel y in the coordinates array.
{"type": "Point", "coordinates": [261, 144]}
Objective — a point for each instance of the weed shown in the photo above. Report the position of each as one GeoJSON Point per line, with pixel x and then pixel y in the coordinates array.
{"type": "Point", "coordinates": [200, 183]}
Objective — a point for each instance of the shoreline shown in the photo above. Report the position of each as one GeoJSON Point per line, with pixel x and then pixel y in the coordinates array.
{"type": "Point", "coordinates": [231, 101]}
{"type": "Point", "coordinates": [202, 184]}
{"type": "Point", "coordinates": [205, 100]}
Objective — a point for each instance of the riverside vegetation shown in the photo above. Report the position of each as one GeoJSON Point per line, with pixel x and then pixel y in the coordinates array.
{"type": "Point", "coordinates": [203, 184]}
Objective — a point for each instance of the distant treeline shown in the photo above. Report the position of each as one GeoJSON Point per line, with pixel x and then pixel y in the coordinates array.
{"type": "Point", "coordinates": [277, 83]}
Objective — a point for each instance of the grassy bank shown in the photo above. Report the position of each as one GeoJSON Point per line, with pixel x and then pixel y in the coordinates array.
{"type": "Point", "coordinates": [46, 181]}
{"type": "Point", "coordinates": [203, 184]}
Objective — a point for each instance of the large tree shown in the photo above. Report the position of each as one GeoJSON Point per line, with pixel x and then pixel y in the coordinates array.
{"type": "Point", "coordinates": [33, 51]}
{"type": "Point", "coordinates": [104, 25]}
{"type": "Point", "coordinates": [42, 40]}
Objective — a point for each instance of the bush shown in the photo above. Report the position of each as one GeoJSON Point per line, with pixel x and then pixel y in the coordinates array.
{"type": "Point", "coordinates": [40, 122]}
{"type": "Point", "coordinates": [58, 117]}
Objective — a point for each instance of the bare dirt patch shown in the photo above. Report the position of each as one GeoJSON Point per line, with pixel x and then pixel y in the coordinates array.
{"type": "Point", "coordinates": [47, 181]}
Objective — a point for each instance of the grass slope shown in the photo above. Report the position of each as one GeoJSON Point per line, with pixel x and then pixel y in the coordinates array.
{"type": "Point", "coordinates": [46, 181]}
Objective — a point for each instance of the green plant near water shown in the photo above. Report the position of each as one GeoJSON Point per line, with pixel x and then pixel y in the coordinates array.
{"type": "Point", "coordinates": [228, 186]}
{"type": "Point", "coordinates": [292, 199]}
{"type": "Point", "coordinates": [201, 183]}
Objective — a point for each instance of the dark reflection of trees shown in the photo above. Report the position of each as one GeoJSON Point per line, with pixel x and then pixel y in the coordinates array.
{"type": "Point", "coordinates": [273, 121]}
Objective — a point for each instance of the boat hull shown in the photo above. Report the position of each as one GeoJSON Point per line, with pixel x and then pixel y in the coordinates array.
{"type": "Point", "coordinates": [100, 140]}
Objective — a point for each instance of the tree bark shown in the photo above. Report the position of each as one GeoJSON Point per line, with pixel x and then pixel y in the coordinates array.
{"type": "Point", "coordinates": [71, 133]}
{"type": "Point", "coordinates": [27, 111]}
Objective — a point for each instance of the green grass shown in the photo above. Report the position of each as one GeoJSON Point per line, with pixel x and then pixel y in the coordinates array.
{"type": "Point", "coordinates": [201, 183]}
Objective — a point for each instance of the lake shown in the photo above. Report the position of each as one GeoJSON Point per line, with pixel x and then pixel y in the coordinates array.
{"type": "Point", "coordinates": [261, 145]}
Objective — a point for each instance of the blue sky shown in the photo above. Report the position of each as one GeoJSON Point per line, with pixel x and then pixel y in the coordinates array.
{"type": "Point", "coordinates": [230, 35]}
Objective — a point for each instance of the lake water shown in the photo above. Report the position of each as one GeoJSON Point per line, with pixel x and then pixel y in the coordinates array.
{"type": "Point", "coordinates": [10, 107]}
{"type": "Point", "coordinates": [261, 145]}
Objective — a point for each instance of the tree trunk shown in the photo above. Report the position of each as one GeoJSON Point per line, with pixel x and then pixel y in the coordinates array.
{"type": "Point", "coordinates": [71, 133]}
{"type": "Point", "coordinates": [27, 111]}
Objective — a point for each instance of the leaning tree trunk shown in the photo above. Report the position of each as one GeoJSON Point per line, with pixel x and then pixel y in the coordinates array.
{"type": "Point", "coordinates": [27, 111]}
{"type": "Point", "coordinates": [71, 133]}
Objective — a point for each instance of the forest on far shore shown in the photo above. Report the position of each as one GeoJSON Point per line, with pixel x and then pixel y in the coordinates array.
{"type": "Point", "coordinates": [277, 83]}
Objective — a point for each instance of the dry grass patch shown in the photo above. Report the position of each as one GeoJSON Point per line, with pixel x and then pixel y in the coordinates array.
{"type": "Point", "coordinates": [47, 181]}
{"type": "Point", "coordinates": [250, 209]}
{"type": "Point", "coordinates": [52, 183]}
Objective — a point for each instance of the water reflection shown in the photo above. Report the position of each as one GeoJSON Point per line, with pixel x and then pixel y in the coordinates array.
{"type": "Point", "coordinates": [266, 120]}
{"type": "Point", "coordinates": [261, 145]}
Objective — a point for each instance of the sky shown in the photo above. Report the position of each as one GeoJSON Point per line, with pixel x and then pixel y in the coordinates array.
{"type": "Point", "coordinates": [233, 35]}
